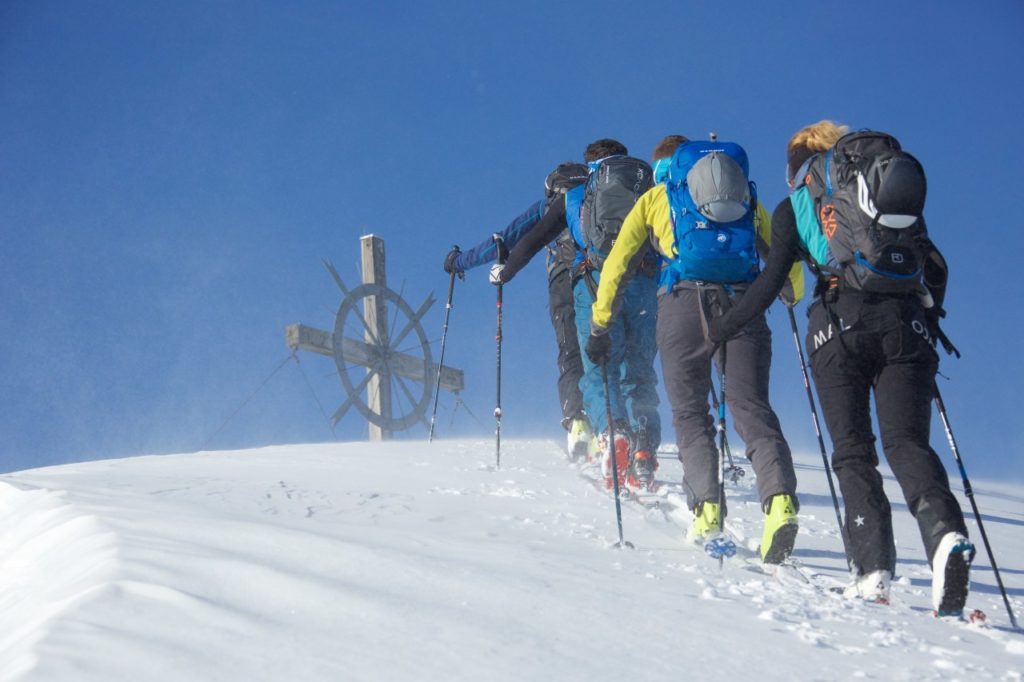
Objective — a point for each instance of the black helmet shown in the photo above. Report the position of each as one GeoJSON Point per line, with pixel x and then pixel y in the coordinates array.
{"type": "Point", "coordinates": [893, 189]}
{"type": "Point", "coordinates": [566, 176]}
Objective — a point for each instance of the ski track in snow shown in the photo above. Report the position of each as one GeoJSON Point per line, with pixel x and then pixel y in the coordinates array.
{"type": "Point", "coordinates": [425, 561]}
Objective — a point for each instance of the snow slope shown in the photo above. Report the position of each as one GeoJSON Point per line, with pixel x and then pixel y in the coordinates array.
{"type": "Point", "coordinates": [416, 561]}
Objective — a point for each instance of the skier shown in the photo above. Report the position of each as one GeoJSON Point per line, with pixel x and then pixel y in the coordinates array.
{"type": "Point", "coordinates": [632, 393]}
{"type": "Point", "coordinates": [686, 356]}
{"type": "Point", "coordinates": [561, 252]}
{"type": "Point", "coordinates": [860, 339]}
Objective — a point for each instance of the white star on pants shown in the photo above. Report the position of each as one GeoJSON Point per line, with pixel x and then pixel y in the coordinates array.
{"type": "Point", "coordinates": [859, 521]}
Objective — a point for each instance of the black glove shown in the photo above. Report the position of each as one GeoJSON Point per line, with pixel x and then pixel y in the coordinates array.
{"type": "Point", "coordinates": [599, 348]}
{"type": "Point", "coordinates": [787, 295]}
{"type": "Point", "coordinates": [931, 317]}
{"type": "Point", "coordinates": [935, 334]}
{"type": "Point", "coordinates": [449, 262]}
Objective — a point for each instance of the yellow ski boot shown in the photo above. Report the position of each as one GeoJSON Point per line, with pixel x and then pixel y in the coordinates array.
{"type": "Point", "coordinates": [580, 439]}
{"type": "Point", "coordinates": [780, 527]}
{"type": "Point", "coordinates": [705, 522]}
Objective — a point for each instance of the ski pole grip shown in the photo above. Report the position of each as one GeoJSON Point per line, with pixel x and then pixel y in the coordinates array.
{"type": "Point", "coordinates": [499, 244]}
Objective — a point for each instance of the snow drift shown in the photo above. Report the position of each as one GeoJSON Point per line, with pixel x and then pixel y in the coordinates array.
{"type": "Point", "coordinates": [417, 561]}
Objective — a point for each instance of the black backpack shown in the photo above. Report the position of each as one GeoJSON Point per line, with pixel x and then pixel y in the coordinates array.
{"type": "Point", "coordinates": [868, 199]}
{"type": "Point", "coordinates": [611, 191]}
{"type": "Point", "coordinates": [566, 176]}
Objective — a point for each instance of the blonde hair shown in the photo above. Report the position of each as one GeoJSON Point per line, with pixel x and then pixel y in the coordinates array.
{"type": "Point", "coordinates": [817, 137]}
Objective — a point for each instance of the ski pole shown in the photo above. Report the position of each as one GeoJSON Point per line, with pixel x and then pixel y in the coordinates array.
{"type": "Point", "coordinates": [736, 472]}
{"type": "Point", "coordinates": [615, 460]}
{"type": "Point", "coordinates": [969, 492]}
{"type": "Point", "coordinates": [722, 445]}
{"type": "Point", "coordinates": [817, 431]}
{"type": "Point", "coordinates": [440, 362]}
{"type": "Point", "coordinates": [502, 253]}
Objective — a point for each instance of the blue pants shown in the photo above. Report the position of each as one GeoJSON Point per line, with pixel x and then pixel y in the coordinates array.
{"type": "Point", "coordinates": [632, 381]}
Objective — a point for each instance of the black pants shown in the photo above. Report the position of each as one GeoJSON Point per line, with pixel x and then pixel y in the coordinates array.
{"type": "Point", "coordinates": [883, 345]}
{"type": "Point", "coordinates": [570, 365]}
{"type": "Point", "coordinates": [686, 366]}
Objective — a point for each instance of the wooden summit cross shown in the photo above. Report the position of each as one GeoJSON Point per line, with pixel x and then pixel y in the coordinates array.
{"type": "Point", "coordinates": [393, 352]}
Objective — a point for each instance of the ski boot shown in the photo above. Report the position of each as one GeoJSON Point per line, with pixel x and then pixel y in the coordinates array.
{"type": "Point", "coordinates": [580, 439]}
{"type": "Point", "coordinates": [621, 448]}
{"type": "Point", "coordinates": [643, 462]}
{"type": "Point", "coordinates": [951, 575]}
{"type": "Point", "coordinates": [705, 522]}
{"type": "Point", "coordinates": [707, 529]}
{"type": "Point", "coordinates": [872, 587]}
{"type": "Point", "coordinates": [780, 528]}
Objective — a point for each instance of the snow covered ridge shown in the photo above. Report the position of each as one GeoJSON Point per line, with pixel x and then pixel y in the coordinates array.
{"type": "Point", "coordinates": [417, 561]}
{"type": "Point", "coordinates": [52, 558]}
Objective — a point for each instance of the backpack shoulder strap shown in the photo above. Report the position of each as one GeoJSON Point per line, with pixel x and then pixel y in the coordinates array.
{"type": "Point", "coordinates": [573, 205]}
{"type": "Point", "coordinates": [808, 226]}
{"type": "Point", "coordinates": [827, 172]}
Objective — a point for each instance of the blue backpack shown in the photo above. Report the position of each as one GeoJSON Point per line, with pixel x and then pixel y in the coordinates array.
{"type": "Point", "coordinates": [573, 207]}
{"type": "Point", "coordinates": [712, 204]}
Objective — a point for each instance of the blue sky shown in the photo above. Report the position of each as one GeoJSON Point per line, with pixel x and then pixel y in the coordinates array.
{"type": "Point", "coordinates": [172, 175]}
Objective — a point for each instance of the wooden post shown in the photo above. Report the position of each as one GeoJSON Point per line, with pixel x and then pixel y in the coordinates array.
{"type": "Point", "coordinates": [378, 391]}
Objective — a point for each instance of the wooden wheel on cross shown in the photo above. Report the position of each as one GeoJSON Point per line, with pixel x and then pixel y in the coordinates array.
{"type": "Point", "coordinates": [381, 352]}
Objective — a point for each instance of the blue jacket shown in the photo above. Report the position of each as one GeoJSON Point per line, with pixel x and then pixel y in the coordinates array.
{"type": "Point", "coordinates": [486, 251]}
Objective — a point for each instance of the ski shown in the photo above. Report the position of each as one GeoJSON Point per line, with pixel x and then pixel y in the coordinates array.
{"type": "Point", "coordinates": [792, 573]}
{"type": "Point", "coordinates": [973, 618]}
{"type": "Point", "coordinates": [644, 499]}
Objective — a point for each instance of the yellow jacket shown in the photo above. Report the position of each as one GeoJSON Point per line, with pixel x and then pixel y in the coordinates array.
{"type": "Point", "coordinates": [650, 222]}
